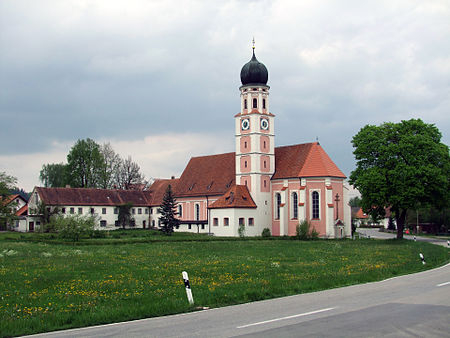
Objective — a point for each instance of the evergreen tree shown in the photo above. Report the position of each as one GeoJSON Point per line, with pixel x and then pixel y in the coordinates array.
{"type": "Point", "coordinates": [168, 212]}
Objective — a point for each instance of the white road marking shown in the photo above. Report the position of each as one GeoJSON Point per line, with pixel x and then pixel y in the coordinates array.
{"type": "Point", "coordinates": [288, 317]}
{"type": "Point", "coordinates": [442, 284]}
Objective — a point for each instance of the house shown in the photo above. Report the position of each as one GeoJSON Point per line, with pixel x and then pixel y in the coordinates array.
{"type": "Point", "coordinates": [104, 204]}
{"type": "Point", "coordinates": [16, 204]}
{"type": "Point", "coordinates": [259, 185]}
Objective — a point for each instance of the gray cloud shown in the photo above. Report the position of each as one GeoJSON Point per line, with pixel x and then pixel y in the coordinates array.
{"type": "Point", "coordinates": [124, 71]}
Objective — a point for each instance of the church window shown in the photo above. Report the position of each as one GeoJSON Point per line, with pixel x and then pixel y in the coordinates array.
{"type": "Point", "coordinates": [197, 212]}
{"type": "Point", "coordinates": [241, 221]}
{"type": "Point", "coordinates": [251, 221]}
{"type": "Point", "coordinates": [264, 103]}
{"type": "Point", "coordinates": [265, 183]}
{"type": "Point", "coordinates": [278, 205]}
{"type": "Point", "coordinates": [245, 144]}
{"type": "Point", "coordinates": [245, 103]}
{"type": "Point", "coordinates": [103, 211]}
{"type": "Point", "coordinates": [255, 103]}
{"type": "Point", "coordinates": [215, 221]}
{"type": "Point", "coordinates": [265, 165]}
{"type": "Point", "coordinates": [180, 211]}
{"type": "Point", "coordinates": [226, 221]}
{"type": "Point", "coordinates": [294, 205]}
{"type": "Point", "coordinates": [264, 145]}
{"type": "Point", "coordinates": [245, 164]}
{"type": "Point", "coordinates": [315, 204]}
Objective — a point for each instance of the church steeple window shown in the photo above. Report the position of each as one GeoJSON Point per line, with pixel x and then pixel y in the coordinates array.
{"type": "Point", "coordinates": [264, 103]}
{"type": "Point", "coordinates": [245, 103]}
{"type": "Point", "coordinates": [255, 103]}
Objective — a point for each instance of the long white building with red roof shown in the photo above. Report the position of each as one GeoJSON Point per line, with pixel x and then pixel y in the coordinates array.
{"type": "Point", "coordinates": [259, 185]}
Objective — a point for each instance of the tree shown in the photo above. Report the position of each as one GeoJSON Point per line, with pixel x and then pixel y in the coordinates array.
{"type": "Point", "coordinates": [7, 183]}
{"type": "Point", "coordinates": [124, 216]}
{"type": "Point", "coordinates": [168, 212]}
{"type": "Point", "coordinates": [111, 166]}
{"type": "Point", "coordinates": [85, 164]}
{"type": "Point", "coordinates": [355, 202]}
{"type": "Point", "coordinates": [128, 175]}
{"type": "Point", "coordinates": [401, 166]}
{"type": "Point", "coordinates": [54, 175]}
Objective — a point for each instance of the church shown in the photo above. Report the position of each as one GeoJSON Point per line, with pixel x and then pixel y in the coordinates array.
{"type": "Point", "coordinates": [258, 185]}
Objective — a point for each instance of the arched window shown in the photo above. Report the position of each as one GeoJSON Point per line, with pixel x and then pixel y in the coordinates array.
{"type": "Point", "coordinates": [180, 211]}
{"type": "Point", "coordinates": [315, 204]}
{"type": "Point", "coordinates": [255, 103]}
{"type": "Point", "coordinates": [278, 201]}
{"type": "Point", "coordinates": [294, 205]}
{"type": "Point", "coordinates": [245, 103]}
{"type": "Point", "coordinates": [197, 212]}
{"type": "Point", "coordinates": [264, 103]}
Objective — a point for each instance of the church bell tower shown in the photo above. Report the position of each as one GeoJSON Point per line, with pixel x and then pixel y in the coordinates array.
{"type": "Point", "coordinates": [254, 130]}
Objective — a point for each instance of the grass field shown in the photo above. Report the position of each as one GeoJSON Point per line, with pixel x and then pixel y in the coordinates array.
{"type": "Point", "coordinates": [46, 287]}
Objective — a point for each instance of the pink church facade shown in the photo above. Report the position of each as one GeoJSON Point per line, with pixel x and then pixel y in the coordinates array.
{"type": "Point", "coordinates": [259, 185]}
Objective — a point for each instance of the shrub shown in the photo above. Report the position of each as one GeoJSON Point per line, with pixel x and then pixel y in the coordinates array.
{"type": "Point", "coordinates": [73, 227]}
{"type": "Point", "coordinates": [266, 232]}
{"type": "Point", "coordinates": [314, 234]}
{"type": "Point", "coordinates": [241, 230]}
{"type": "Point", "coordinates": [302, 230]}
{"type": "Point", "coordinates": [305, 232]}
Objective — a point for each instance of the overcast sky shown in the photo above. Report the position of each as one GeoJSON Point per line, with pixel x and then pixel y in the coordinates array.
{"type": "Point", "coordinates": [159, 79]}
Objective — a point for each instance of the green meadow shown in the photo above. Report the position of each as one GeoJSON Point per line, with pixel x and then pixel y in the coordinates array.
{"type": "Point", "coordinates": [50, 286]}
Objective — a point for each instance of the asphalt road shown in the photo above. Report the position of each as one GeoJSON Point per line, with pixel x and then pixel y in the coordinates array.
{"type": "Point", "coordinates": [374, 233]}
{"type": "Point", "coordinates": [416, 305]}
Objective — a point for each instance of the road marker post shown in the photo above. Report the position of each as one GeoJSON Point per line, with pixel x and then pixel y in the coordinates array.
{"type": "Point", "coordinates": [422, 258]}
{"type": "Point", "coordinates": [188, 287]}
{"type": "Point", "coordinates": [414, 238]}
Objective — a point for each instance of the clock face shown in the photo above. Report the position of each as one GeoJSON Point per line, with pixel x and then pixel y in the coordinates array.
{"type": "Point", "coordinates": [245, 124]}
{"type": "Point", "coordinates": [264, 124]}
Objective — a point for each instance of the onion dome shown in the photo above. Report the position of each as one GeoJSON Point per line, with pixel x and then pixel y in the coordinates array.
{"type": "Point", "coordinates": [254, 72]}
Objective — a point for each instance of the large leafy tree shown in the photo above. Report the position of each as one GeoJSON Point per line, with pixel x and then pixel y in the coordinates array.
{"type": "Point", "coordinates": [112, 163]}
{"type": "Point", "coordinates": [168, 212]}
{"type": "Point", "coordinates": [93, 166]}
{"type": "Point", "coordinates": [401, 166]}
{"type": "Point", "coordinates": [54, 175]}
{"type": "Point", "coordinates": [85, 164]}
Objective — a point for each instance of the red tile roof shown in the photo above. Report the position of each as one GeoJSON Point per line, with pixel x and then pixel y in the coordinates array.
{"type": "Point", "coordinates": [22, 211]}
{"type": "Point", "coordinates": [304, 160]}
{"type": "Point", "coordinates": [207, 176]}
{"type": "Point", "coordinates": [360, 214]}
{"type": "Point", "coordinates": [9, 199]}
{"type": "Point", "coordinates": [237, 196]}
{"type": "Point", "coordinates": [85, 196]}
{"type": "Point", "coordinates": [158, 189]}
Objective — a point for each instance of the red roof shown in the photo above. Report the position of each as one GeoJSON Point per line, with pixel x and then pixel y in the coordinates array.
{"type": "Point", "coordinates": [158, 189]}
{"type": "Point", "coordinates": [207, 176]}
{"type": "Point", "coordinates": [87, 196]}
{"type": "Point", "coordinates": [304, 160]}
{"type": "Point", "coordinates": [237, 196]}
{"type": "Point", "coordinates": [9, 199]}
{"type": "Point", "coordinates": [360, 214]}
{"type": "Point", "coordinates": [22, 211]}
